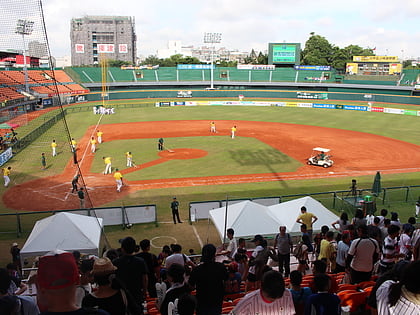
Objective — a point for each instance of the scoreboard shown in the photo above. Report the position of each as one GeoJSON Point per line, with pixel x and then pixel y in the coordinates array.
{"type": "Point", "coordinates": [284, 53]}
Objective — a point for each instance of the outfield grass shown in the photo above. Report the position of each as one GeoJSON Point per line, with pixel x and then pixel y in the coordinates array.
{"type": "Point", "coordinates": [26, 165]}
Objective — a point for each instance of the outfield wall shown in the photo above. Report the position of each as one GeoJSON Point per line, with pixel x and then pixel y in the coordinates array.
{"type": "Point", "coordinates": [359, 94]}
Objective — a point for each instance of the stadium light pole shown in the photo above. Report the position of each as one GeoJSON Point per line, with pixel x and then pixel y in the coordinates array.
{"type": "Point", "coordinates": [25, 27]}
{"type": "Point", "coordinates": [212, 38]}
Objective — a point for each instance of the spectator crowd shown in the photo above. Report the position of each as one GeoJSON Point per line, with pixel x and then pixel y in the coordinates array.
{"type": "Point", "coordinates": [366, 265]}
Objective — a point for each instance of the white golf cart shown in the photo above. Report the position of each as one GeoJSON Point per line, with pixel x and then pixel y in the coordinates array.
{"type": "Point", "coordinates": [320, 157]}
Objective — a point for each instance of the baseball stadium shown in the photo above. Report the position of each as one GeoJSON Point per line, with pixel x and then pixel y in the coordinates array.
{"type": "Point", "coordinates": [366, 124]}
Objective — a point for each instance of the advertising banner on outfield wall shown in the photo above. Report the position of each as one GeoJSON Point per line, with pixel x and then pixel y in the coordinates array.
{"type": "Point", "coordinates": [397, 111]}
{"type": "Point", "coordinates": [377, 109]}
{"type": "Point", "coordinates": [410, 112]}
{"type": "Point", "coordinates": [327, 106]}
{"type": "Point", "coordinates": [355, 107]}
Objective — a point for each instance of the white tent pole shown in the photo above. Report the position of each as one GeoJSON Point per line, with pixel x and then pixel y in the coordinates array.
{"type": "Point", "coordinates": [226, 211]}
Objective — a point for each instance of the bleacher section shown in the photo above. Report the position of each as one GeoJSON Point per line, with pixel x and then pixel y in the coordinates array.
{"type": "Point", "coordinates": [40, 83]}
{"type": "Point", "coordinates": [93, 75]}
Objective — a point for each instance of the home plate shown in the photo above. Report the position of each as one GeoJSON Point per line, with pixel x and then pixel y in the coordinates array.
{"type": "Point", "coordinates": [330, 172]}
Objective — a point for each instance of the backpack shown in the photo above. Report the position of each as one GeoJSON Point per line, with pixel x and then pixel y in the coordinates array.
{"type": "Point", "coordinates": [297, 251]}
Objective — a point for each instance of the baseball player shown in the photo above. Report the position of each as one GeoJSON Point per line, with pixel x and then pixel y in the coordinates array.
{"type": "Point", "coordinates": [99, 136]}
{"type": "Point", "coordinates": [160, 144]}
{"type": "Point", "coordinates": [129, 157]}
{"type": "Point", "coordinates": [74, 183]}
{"type": "Point", "coordinates": [108, 167]}
{"type": "Point", "coordinates": [93, 145]}
{"type": "Point", "coordinates": [233, 131]}
{"type": "Point", "coordinates": [43, 161]}
{"type": "Point", "coordinates": [118, 178]}
{"type": "Point", "coordinates": [53, 147]}
{"type": "Point", "coordinates": [212, 127]}
{"type": "Point", "coordinates": [6, 174]}
{"type": "Point", "coordinates": [73, 145]}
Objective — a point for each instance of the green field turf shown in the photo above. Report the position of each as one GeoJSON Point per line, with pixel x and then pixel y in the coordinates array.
{"type": "Point", "coordinates": [225, 157]}
{"type": "Point", "coordinates": [26, 165]}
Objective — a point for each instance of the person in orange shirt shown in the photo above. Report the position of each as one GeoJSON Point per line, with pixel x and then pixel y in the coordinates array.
{"type": "Point", "coordinates": [118, 178]}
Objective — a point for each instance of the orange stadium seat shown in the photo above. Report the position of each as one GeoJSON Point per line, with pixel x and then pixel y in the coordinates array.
{"type": "Point", "coordinates": [343, 287]}
{"type": "Point", "coordinates": [366, 284]}
{"type": "Point", "coordinates": [354, 299]}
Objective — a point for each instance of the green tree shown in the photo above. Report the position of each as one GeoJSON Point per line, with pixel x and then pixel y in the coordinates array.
{"type": "Point", "coordinates": [152, 61]}
{"type": "Point", "coordinates": [118, 63]}
{"type": "Point", "coordinates": [262, 59]}
{"type": "Point", "coordinates": [318, 51]}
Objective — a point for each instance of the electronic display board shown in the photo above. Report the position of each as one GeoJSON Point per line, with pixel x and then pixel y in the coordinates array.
{"type": "Point", "coordinates": [284, 53]}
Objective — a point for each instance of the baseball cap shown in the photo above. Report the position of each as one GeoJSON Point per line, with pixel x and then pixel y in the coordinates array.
{"type": "Point", "coordinates": [257, 237]}
{"type": "Point", "coordinates": [57, 270]}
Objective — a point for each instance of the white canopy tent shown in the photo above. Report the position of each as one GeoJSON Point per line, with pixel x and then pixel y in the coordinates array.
{"type": "Point", "coordinates": [287, 213]}
{"type": "Point", "coordinates": [65, 231]}
{"type": "Point", "coordinates": [248, 218]}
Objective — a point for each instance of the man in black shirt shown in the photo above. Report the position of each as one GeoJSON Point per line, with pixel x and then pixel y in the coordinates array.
{"type": "Point", "coordinates": [132, 271]}
{"type": "Point", "coordinates": [209, 280]}
{"type": "Point", "coordinates": [175, 210]}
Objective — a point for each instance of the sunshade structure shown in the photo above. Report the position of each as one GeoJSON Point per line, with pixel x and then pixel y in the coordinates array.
{"type": "Point", "coordinates": [65, 231]}
{"type": "Point", "coordinates": [8, 126]}
{"type": "Point", "coordinates": [288, 212]}
{"type": "Point", "coordinates": [248, 218]}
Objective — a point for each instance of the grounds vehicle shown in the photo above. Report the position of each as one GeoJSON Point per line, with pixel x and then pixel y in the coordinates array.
{"type": "Point", "coordinates": [320, 157]}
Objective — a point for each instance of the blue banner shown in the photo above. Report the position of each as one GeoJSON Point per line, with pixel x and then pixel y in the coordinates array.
{"type": "Point", "coordinates": [6, 156]}
{"type": "Point", "coordinates": [195, 67]}
{"type": "Point", "coordinates": [354, 107]}
{"type": "Point", "coordinates": [329, 106]}
{"type": "Point", "coordinates": [316, 68]}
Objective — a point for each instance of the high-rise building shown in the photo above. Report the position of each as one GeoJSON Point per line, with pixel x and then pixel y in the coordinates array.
{"type": "Point", "coordinates": [114, 37]}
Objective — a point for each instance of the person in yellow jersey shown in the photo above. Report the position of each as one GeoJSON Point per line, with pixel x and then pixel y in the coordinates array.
{"type": "Point", "coordinates": [6, 174]}
{"type": "Point", "coordinates": [232, 132]}
{"type": "Point", "coordinates": [118, 178]}
{"type": "Point", "coordinates": [54, 147]}
{"type": "Point", "coordinates": [308, 219]}
{"type": "Point", "coordinates": [213, 127]}
{"type": "Point", "coordinates": [73, 145]}
{"type": "Point", "coordinates": [99, 136]}
{"type": "Point", "coordinates": [129, 157]}
{"type": "Point", "coordinates": [108, 166]}
{"type": "Point", "coordinates": [93, 144]}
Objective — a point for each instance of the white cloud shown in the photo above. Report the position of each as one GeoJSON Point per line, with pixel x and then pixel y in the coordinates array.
{"type": "Point", "coordinates": [388, 25]}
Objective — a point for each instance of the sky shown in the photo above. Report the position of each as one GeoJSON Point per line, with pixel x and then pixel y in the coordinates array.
{"type": "Point", "coordinates": [389, 25]}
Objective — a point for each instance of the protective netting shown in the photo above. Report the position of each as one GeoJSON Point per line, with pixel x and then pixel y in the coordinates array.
{"type": "Point", "coordinates": [31, 94]}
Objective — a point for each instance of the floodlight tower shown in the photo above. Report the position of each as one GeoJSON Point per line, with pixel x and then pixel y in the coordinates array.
{"type": "Point", "coordinates": [25, 27]}
{"type": "Point", "coordinates": [212, 38]}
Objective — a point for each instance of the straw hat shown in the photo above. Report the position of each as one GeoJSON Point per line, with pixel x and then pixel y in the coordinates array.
{"type": "Point", "coordinates": [103, 266]}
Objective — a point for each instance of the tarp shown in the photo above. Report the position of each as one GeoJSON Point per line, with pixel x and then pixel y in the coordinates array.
{"type": "Point", "coordinates": [287, 213]}
{"type": "Point", "coordinates": [8, 126]}
{"type": "Point", "coordinates": [248, 218]}
{"type": "Point", "coordinates": [65, 231]}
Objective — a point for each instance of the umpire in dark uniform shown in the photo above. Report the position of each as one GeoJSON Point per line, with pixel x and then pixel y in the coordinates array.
{"type": "Point", "coordinates": [175, 212]}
